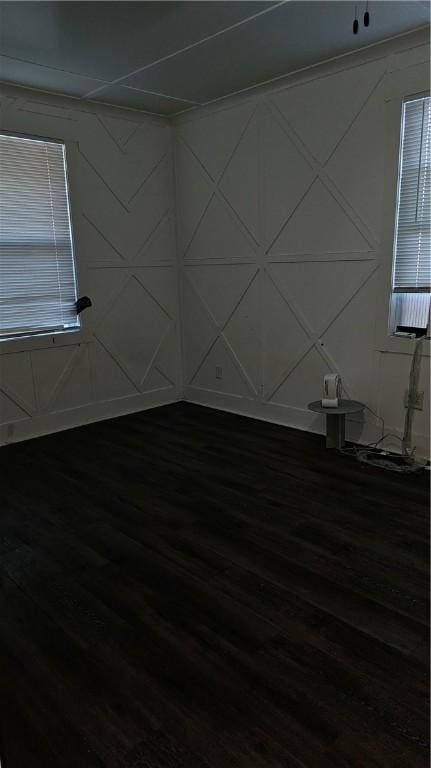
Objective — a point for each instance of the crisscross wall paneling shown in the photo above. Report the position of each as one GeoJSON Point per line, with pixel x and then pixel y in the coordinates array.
{"type": "Point", "coordinates": [280, 236]}
{"type": "Point", "coordinates": [279, 243]}
{"type": "Point", "coordinates": [122, 198]}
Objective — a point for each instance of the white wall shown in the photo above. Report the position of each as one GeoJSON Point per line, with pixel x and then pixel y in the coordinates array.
{"type": "Point", "coordinates": [283, 222]}
{"type": "Point", "coordinates": [122, 199]}
{"type": "Point", "coordinates": [283, 246]}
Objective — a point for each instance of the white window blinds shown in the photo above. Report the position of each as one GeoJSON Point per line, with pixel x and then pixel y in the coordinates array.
{"type": "Point", "coordinates": [37, 270]}
{"type": "Point", "coordinates": [412, 252]}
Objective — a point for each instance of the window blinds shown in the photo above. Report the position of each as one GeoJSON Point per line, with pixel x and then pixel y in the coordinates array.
{"type": "Point", "coordinates": [37, 270]}
{"type": "Point", "coordinates": [412, 262]}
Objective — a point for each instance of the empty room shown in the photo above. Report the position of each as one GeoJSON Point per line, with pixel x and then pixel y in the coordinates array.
{"type": "Point", "coordinates": [215, 275]}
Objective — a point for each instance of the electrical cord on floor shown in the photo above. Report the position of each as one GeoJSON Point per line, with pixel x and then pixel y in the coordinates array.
{"type": "Point", "coordinates": [384, 437]}
{"type": "Point", "coordinates": [380, 418]}
{"type": "Point", "coordinates": [372, 454]}
{"type": "Point", "coordinates": [374, 444]}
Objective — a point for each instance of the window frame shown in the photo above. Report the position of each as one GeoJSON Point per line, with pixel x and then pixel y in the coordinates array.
{"type": "Point", "coordinates": [69, 336]}
{"type": "Point", "coordinates": [400, 86]}
{"type": "Point", "coordinates": [396, 299]}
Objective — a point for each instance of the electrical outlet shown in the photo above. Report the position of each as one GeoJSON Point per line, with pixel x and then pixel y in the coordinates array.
{"type": "Point", "coordinates": [219, 372]}
{"type": "Point", "coordinates": [416, 401]}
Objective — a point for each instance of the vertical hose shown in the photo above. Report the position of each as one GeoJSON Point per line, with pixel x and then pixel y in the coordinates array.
{"type": "Point", "coordinates": [411, 396]}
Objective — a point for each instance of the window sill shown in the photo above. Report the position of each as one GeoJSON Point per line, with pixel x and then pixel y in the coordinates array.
{"type": "Point", "coordinates": [45, 341]}
{"type": "Point", "coordinates": [401, 345]}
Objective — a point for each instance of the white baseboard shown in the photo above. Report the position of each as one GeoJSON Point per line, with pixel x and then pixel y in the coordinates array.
{"type": "Point", "coordinates": [363, 429]}
{"type": "Point", "coordinates": [45, 424]}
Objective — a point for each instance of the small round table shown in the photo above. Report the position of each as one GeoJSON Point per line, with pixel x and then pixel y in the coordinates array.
{"type": "Point", "coordinates": [336, 419]}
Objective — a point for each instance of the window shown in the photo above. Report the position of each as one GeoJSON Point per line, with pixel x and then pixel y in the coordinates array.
{"type": "Point", "coordinates": [38, 290]}
{"type": "Point", "coordinates": [411, 276]}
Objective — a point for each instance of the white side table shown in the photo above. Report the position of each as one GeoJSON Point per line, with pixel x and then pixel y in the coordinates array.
{"type": "Point", "coordinates": [336, 419]}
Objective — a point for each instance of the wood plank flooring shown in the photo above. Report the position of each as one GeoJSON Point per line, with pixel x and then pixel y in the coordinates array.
{"type": "Point", "coordinates": [186, 588]}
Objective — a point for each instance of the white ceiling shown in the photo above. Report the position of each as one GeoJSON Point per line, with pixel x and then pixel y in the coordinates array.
{"type": "Point", "coordinates": [165, 57]}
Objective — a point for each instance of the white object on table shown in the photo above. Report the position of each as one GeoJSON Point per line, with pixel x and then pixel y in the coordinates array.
{"type": "Point", "coordinates": [332, 390]}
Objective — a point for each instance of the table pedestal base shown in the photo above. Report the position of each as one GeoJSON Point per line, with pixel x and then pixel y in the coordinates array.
{"type": "Point", "coordinates": [335, 430]}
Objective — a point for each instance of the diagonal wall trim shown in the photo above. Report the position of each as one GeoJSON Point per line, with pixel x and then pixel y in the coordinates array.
{"type": "Point", "coordinates": [153, 298]}
{"type": "Point", "coordinates": [254, 243]}
{"type": "Point", "coordinates": [104, 182]}
{"type": "Point", "coordinates": [113, 300]}
{"type": "Point", "coordinates": [361, 109]}
{"type": "Point", "coordinates": [219, 333]}
{"type": "Point", "coordinates": [238, 220]}
{"type": "Point", "coordinates": [164, 220]}
{"type": "Point", "coordinates": [285, 223]}
{"type": "Point", "coordinates": [220, 326]}
{"type": "Point", "coordinates": [13, 418]}
{"type": "Point", "coordinates": [262, 257]}
{"type": "Point", "coordinates": [110, 134]}
{"type": "Point", "coordinates": [127, 318]}
{"type": "Point", "coordinates": [326, 180]}
{"type": "Point", "coordinates": [104, 219]}
{"type": "Point", "coordinates": [155, 354]}
{"type": "Point", "coordinates": [70, 365]}
{"type": "Point", "coordinates": [165, 376]}
{"type": "Point", "coordinates": [210, 184]}
{"type": "Point", "coordinates": [308, 343]}
{"type": "Point", "coordinates": [148, 242]}
{"type": "Point", "coordinates": [293, 306]}
{"type": "Point", "coordinates": [314, 338]}
{"type": "Point", "coordinates": [18, 400]}
{"type": "Point", "coordinates": [234, 354]}
{"type": "Point", "coordinates": [122, 196]}
{"type": "Point", "coordinates": [117, 360]}
{"type": "Point", "coordinates": [219, 194]}
{"type": "Point", "coordinates": [239, 365]}
{"type": "Point", "coordinates": [281, 334]}
{"type": "Point", "coordinates": [103, 236]}
{"type": "Point", "coordinates": [132, 135]}
{"type": "Point", "coordinates": [230, 157]}
{"type": "Point", "coordinates": [151, 173]}
{"type": "Point", "coordinates": [354, 294]}
{"type": "Point", "coordinates": [188, 246]}
{"type": "Point", "coordinates": [273, 389]}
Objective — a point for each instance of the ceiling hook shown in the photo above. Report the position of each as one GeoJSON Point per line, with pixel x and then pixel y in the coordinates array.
{"type": "Point", "coordinates": [366, 16]}
{"type": "Point", "coordinates": [356, 22]}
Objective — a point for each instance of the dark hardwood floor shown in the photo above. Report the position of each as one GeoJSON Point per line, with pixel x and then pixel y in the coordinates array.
{"type": "Point", "coordinates": [186, 588]}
